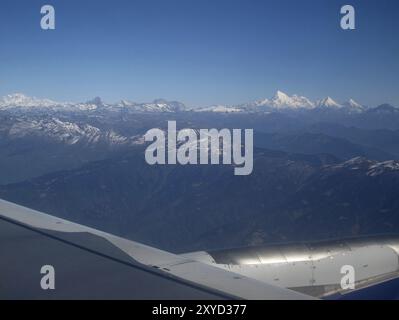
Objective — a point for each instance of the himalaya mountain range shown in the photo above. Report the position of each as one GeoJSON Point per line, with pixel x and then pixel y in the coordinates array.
{"type": "Point", "coordinates": [280, 101]}
{"type": "Point", "coordinates": [322, 169]}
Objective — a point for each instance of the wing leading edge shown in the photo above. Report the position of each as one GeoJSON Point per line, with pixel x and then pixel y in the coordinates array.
{"type": "Point", "coordinates": [91, 264]}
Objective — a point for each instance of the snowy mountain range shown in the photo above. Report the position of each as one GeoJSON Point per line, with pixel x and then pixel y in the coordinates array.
{"type": "Point", "coordinates": [279, 102]}
{"type": "Point", "coordinates": [19, 100]}
{"type": "Point", "coordinates": [370, 167]}
{"type": "Point", "coordinates": [66, 132]}
{"type": "Point", "coordinates": [283, 102]}
{"type": "Point", "coordinates": [22, 102]}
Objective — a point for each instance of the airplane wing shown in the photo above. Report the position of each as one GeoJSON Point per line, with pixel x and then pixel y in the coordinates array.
{"type": "Point", "coordinates": [321, 268]}
{"type": "Point", "coordinates": [91, 264]}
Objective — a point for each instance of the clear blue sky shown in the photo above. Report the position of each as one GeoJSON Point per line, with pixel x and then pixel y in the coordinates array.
{"type": "Point", "coordinates": [200, 52]}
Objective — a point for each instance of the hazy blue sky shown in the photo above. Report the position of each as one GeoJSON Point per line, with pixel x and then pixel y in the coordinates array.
{"type": "Point", "coordinates": [200, 52]}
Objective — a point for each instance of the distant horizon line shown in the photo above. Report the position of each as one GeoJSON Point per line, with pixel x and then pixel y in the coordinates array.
{"type": "Point", "coordinates": [155, 100]}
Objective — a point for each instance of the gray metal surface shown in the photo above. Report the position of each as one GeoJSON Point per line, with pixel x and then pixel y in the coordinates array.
{"type": "Point", "coordinates": [312, 268]}
{"type": "Point", "coordinates": [281, 253]}
{"type": "Point", "coordinates": [96, 265]}
{"type": "Point", "coordinates": [93, 270]}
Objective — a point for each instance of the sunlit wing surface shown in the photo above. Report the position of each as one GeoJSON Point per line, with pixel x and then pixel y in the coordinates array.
{"type": "Point", "coordinates": [91, 264]}
{"type": "Point", "coordinates": [316, 268]}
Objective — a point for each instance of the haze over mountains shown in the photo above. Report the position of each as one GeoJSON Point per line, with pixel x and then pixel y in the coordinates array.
{"type": "Point", "coordinates": [322, 169]}
{"type": "Point", "coordinates": [289, 197]}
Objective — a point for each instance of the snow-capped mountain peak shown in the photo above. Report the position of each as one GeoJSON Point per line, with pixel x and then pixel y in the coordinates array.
{"type": "Point", "coordinates": [220, 109]}
{"type": "Point", "coordinates": [282, 100]}
{"type": "Point", "coordinates": [21, 100]}
{"type": "Point", "coordinates": [328, 103]}
{"type": "Point", "coordinates": [162, 105]}
{"type": "Point", "coordinates": [281, 96]}
{"type": "Point", "coordinates": [353, 104]}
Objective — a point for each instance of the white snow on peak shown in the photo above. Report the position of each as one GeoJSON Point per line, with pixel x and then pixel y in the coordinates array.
{"type": "Point", "coordinates": [352, 104]}
{"type": "Point", "coordinates": [328, 103]}
{"type": "Point", "coordinates": [219, 109]}
{"type": "Point", "coordinates": [69, 133]}
{"type": "Point", "coordinates": [355, 163]}
{"type": "Point", "coordinates": [282, 100]}
{"type": "Point", "coordinates": [383, 167]}
{"type": "Point", "coordinates": [21, 100]}
{"type": "Point", "coordinates": [158, 105]}
{"type": "Point", "coordinates": [279, 102]}
{"type": "Point", "coordinates": [371, 168]}
{"type": "Point", "coordinates": [281, 96]}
